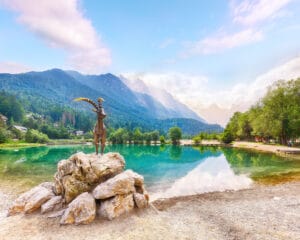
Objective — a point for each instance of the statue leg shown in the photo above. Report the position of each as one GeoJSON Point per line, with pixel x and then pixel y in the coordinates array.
{"type": "Point", "coordinates": [103, 140]}
{"type": "Point", "coordinates": [96, 142]}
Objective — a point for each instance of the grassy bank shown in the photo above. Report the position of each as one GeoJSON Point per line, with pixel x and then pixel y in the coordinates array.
{"type": "Point", "coordinates": [20, 145]}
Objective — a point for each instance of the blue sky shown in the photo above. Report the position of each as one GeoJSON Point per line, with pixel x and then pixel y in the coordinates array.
{"type": "Point", "coordinates": [208, 54]}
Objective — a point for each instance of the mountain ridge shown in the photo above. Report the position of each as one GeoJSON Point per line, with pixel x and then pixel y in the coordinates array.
{"type": "Point", "coordinates": [124, 106]}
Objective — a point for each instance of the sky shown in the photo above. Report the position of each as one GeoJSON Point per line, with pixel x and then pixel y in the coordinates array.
{"type": "Point", "coordinates": [217, 57]}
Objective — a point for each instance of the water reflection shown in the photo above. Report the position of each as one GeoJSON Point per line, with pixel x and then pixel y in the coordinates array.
{"type": "Point", "coordinates": [162, 166]}
{"type": "Point", "coordinates": [214, 174]}
{"type": "Point", "coordinates": [175, 152]}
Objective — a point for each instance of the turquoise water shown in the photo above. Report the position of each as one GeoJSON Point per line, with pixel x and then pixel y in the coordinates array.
{"type": "Point", "coordinates": [171, 169]}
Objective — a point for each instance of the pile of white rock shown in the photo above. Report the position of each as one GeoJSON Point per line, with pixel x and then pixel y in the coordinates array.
{"type": "Point", "coordinates": [86, 186]}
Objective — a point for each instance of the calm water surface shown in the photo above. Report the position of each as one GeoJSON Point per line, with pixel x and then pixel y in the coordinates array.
{"type": "Point", "coordinates": [168, 170]}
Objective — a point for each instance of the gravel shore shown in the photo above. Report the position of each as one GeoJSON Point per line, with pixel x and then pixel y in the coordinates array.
{"type": "Point", "coordinates": [262, 212]}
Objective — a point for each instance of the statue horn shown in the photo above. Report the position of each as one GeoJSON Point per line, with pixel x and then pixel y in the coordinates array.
{"type": "Point", "coordinates": [86, 100]}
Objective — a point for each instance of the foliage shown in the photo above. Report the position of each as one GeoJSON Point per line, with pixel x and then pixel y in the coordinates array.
{"type": "Point", "coordinates": [122, 135]}
{"type": "Point", "coordinates": [175, 134]}
{"type": "Point", "coordinates": [4, 135]}
{"type": "Point", "coordinates": [34, 136]}
{"type": "Point", "coordinates": [276, 116]}
{"type": "Point", "coordinates": [227, 137]}
{"type": "Point", "coordinates": [11, 107]}
{"type": "Point", "coordinates": [162, 140]}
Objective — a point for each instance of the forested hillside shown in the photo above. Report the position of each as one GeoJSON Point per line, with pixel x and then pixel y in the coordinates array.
{"type": "Point", "coordinates": [49, 95]}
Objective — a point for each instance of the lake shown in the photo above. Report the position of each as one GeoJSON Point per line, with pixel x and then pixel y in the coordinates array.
{"type": "Point", "coordinates": [168, 170]}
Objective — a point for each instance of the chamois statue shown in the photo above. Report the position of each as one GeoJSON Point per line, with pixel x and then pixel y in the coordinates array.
{"type": "Point", "coordinates": [99, 129]}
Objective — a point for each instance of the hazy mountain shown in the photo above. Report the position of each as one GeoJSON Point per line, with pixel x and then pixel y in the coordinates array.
{"type": "Point", "coordinates": [176, 108]}
{"type": "Point", "coordinates": [124, 106]}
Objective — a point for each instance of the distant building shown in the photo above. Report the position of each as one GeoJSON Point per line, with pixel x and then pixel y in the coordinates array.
{"type": "Point", "coordinates": [20, 128]}
{"type": "Point", "coordinates": [79, 133]}
{"type": "Point", "coordinates": [3, 118]}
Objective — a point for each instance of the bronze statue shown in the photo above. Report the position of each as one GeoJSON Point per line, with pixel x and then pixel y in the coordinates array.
{"type": "Point", "coordinates": [99, 129]}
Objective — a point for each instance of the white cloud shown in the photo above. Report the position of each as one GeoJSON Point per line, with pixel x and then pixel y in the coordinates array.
{"type": "Point", "coordinates": [166, 43]}
{"type": "Point", "coordinates": [62, 25]}
{"type": "Point", "coordinates": [248, 18]}
{"type": "Point", "coordinates": [250, 12]}
{"type": "Point", "coordinates": [217, 106]}
{"type": "Point", "coordinates": [13, 67]}
{"type": "Point", "coordinates": [221, 42]}
{"type": "Point", "coordinates": [180, 85]}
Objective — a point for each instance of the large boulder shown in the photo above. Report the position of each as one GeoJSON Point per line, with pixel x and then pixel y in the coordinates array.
{"type": "Point", "coordinates": [82, 210]}
{"type": "Point", "coordinates": [121, 184]}
{"type": "Point", "coordinates": [138, 179]}
{"type": "Point", "coordinates": [31, 200]}
{"type": "Point", "coordinates": [116, 206]}
{"type": "Point", "coordinates": [73, 187]}
{"type": "Point", "coordinates": [54, 204]}
{"type": "Point", "coordinates": [82, 172]}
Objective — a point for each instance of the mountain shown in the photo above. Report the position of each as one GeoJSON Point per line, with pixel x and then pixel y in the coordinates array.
{"type": "Point", "coordinates": [189, 126]}
{"type": "Point", "coordinates": [109, 84]}
{"type": "Point", "coordinates": [176, 108]}
{"type": "Point", "coordinates": [55, 87]}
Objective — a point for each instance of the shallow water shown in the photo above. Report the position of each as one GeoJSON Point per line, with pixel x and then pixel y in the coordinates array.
{"type": "Point", "coordinates": [168, 170]}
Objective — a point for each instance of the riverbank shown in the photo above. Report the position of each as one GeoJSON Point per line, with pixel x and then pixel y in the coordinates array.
{"type": "Point", "coordinates": [277, 149]}
{"type": "Point", "coordinates": [262, 212]}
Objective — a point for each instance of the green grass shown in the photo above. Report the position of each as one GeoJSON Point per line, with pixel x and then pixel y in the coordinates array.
{"type": "Point", "coordinates": [20, 145]}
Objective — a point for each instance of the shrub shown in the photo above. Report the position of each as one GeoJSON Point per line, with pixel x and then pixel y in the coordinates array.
{"type": "Point", "coordinates": [34, 136]}
{"type": "Point", "coordinates": [227, 137]}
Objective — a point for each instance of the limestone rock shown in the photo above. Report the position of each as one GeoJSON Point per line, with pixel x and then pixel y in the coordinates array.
{"type": "Point", "coordinates": [30, 200]}
{"type": "Point", "coordinates": [54, 204]}
{"type": "Point", "coordinates": [109, 165]}
{"type": "Point", "coordinates": [138, 179]}
{"type": "Point", "coordinates": [65, 167]}
{"type": "Point", "coordinates": [81, 172]}
{"type": "Point", "coordinates": [73, 188]}
{"type": "Point", "coordinates": [116, 206]}
{"type": "Point", "coordinates": [48, 185]}
{"type": "Point", "coordinates": [121, 184]}
{"type": "Point", "coordinates": [141, 200]}
{"type": "Point", "coordinates": [82, 210]}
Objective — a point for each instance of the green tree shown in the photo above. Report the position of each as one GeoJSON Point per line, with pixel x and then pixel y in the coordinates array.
{"type": "Point", "coordinates": [227, 136]}
{"type": "Point", "coordinates": [34, 136]}
{"type": "Point", "coordinates": [162, 140]}
{"type": "Point", "coordinates": [137, 136]}
{"type": "Point", "coordinates": [175, 134]}
{"type": "Point", "coordinates": [155, 136]}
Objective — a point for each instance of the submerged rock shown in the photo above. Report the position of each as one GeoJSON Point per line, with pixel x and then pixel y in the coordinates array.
{"type": "Point", "coordinates": [121, 184]}
{"type": "Point", "coordinates": [116, 206]}
{"type": "Point", "coordinates": [31, 200]}
{"type": "Point", "coordinates": [80, 211]}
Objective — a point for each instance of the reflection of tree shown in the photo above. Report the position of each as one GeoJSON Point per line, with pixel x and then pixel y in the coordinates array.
{"type": "Point", "coordinates": [175, 152]}
{"type": "Point", "coordinates": [213, 151]}
{"type": "Point", "coordinates": [259, 165]}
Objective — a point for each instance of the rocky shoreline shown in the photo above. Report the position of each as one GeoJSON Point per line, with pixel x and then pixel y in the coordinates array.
{"type": "Point", "coordinates": [262, 212]}
{"type": "Point", "coordinates": [86, 185]}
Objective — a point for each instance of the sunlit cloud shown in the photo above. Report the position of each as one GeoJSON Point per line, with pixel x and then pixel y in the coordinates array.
{"type": "Point", "coordinates": [248, 18]}
{"type": "Point", "coordinates": [62, 24]}
{"type": "Point", "coordinates": [13, 67]}
{"type": "Point", "coordinates": [251, 12]}
{"type": "Point", "coordinates": [221, 42]}
{"type": "Point", "coordinates": [216, 106]}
